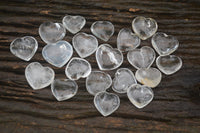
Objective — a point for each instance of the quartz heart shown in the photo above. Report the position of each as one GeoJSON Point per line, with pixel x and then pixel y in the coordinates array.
{"type": "Point", "coordinates": [24, 48]}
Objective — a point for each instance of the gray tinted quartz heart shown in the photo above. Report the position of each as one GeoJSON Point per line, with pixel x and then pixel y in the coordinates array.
{"type": "Point", "coordinates": [106, 103]}
{"type": "Point", "coordinates": [51, 32]}
{"type": "Point", "coordinates": [140, 96]}
{"type": "Point", "coordinates": [73, 23]}
{"type": "Point", "coordinates": [108, 58]}
{"type": "Point", "coordinates": [57, 54]}
{"type": "Point", "coordinates": [98, 81]}
{"type": "Point", "coordinates": [64, 89]}
{"type": "Point", "coordinates": [102, 29]}
{"type": "Point", "coordinates": [24, 48]}
{"type": "Point", "coordinates": [144, 27]}
{"type": "Point", "coordinates": [38, 76]}
{"type": "Point", "coordinates": [164, 44]}
{"type": "Point", "coordinates": [124, 78]}
{"type": "Point", "coordinates": [126, 40]}
{"type": "Point", "coordinates": [84, 44]}
{"type": "Point", "coordinates": [141, 58]}
{"type": "Point", "coordinates": [77, 68]}
{"type": "Point", "coordinates": [169, 64]}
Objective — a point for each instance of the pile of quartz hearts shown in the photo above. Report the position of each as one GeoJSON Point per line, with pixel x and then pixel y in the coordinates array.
{"type": "Point", "coordinates": [58, 52]}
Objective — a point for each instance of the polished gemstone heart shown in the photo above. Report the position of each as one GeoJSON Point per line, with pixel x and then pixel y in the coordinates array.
{"type": "Point", "coordinates": [164, 44]}
{"type": "Point", "coordinates": [77, 68]}
{"type": "Point", "coordinates": [140, 96]}
{"type": "Point", "coordinates": [126, 40]}
{"type": "Point", "coordinates": [57, 54]}
{"type": "Point", "coordinates": [169, 64]}
{"type": "Point", "coordinates": [108, 58]}
{"type": "Point", "coordinates": [102, 29]}
{"type": "Point", "coordinates": [64, 89]}
{"type": "Point", "coordinates": [38, 76]}
{"type": "Point", "coordinates": [144, 27]}
{"type": "Point", "coordinates": [124, 78]}
{"type": "Point", "coordinates": [98, 81]}
{"type": "Point", "coordinates": [84, 44]}
{"type": "Point", "coordinates": [52, 32]}
{"type": "Point", "coordinates": [24, 48]}
{"type": "Point", "coordinates": [150, 77]}
{"type": "Point", "coordinates": [73, 23]}
{"type": "Point", "coordinates": [141, 58]}
{"type": "Point", "coordinates": [106, 103]}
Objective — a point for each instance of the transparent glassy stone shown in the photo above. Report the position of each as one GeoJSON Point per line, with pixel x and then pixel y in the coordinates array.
{"type": "Point", "coordinates": [139, 95]}
{"type": "Point", "coordinates": [24, 48]}
{"type": "Point", "coordinates": [144, 27]}
{"type": "Point", "coordinates": [150, 77]}
{"type": "Point", "coordinates": [38, 76]}
{"type": "Point", "coordinates": [141, 58]}
{"type": "Point", "coordinates": [77, 68]}
{"type": "Point", "coordinates": [73, 23]}
{"type": "Point", "coordinates": [98, 81]}
{"type": "Point", "coordinates": [102, 29]}
{"type": "Point", "coordinates": [164, 44]}
{"type": "Point", "coordinates": [126, 40]}
{"type": "Point", "coordinates": [64, 89]}
{"type": "Point", "coordinates": [106, 103]}
{"type": "Point", "coordinates": [108, 58]}
{"type": "Point", "coordinates": [84, 44]}
{"type": "Point", "coordinates": [169, 64]}
{"type": "Point", "coordinates": [51, 32]}
{"type": "Point", "coordinates": [124, 78]}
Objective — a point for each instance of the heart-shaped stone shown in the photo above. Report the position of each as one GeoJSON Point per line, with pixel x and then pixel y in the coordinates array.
{"type": "Point", "coordinates": [84, 44]}
{"type": "Point", "coordinates": [98, 81]}
{"type": "Point", "coordinates": [140, 96]}
{"type": "Point", "coordinates": [38, 76]}
{"type": "Point", "coordinates": [124, 78]}
{"type": "Point", "coordinates": [51, 32]}
{"type": "Point", "coordinates": [150, 77]}
{"type": "Point", "coordinates": [164, 44]}
{"type": "Point", "coordinates": [141, 58]}
{"type": "Point", "coordinates": [78, 68]}
{"type": "Point", "coordinates": [64, 89]}
{"type": "Point", "coordinates": [126, 40]}
{"type": "Point", "coordinates": [57, 54]}
{"type": "Point", "coordinates": [73, 23]}
{"type": "Point", "coordinates": [108, 58]}
{"type": "Point", "coordinates": [24, 48]}
{"type": "Point", "coordinates": [106, 103]}
{"type": "Point", "coordinates": [102, 29]}
{"type": "Point", "coordinates": [169, 64]}
{"type": "Point", "coordinates": [144, 27]}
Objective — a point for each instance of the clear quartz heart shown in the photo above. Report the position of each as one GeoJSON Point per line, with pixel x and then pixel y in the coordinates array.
{"type": "Point", "coordinates": [77, 68]}
{"type": "Point", "coordinates": [57, 54]}
{"type": "Point", "coordinates": [38, 76]}
{"type": "Point", "coordinates": [150, 77]}
{"type": "Point", "coordinates": [108, 58]}
{"type": "Point", "coordinates": [106, 103]}
{"type": "Point", "coordinates": [64, 89]}
{"type": "Point", "coordinates": [51, 32]}
{"type": "Point", "coordinates": [84, 44]}
{"type": "Point", "coordinates": [126, 40]}
{"type": "Point", "coordinates": [169, 64]}
{"type": "Point", "coordinates": [24, 48]}
{"type": "Point", "coordinates": [139, 95]}
{"type": "Point", "coordinates": [98, 81]}
{"type": "Point", "coordinates": [73, 23]}
{"type": "Point", "coordinates": [102, 29]}
{"type": "Point", "coordinates": [164, 44]}
{"type": "Point", "coordinates": [144, 27]}
{"type": "Point", "coordinates": [141, 58]}
{"type": "Point", "coordinates": [124, 78]}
